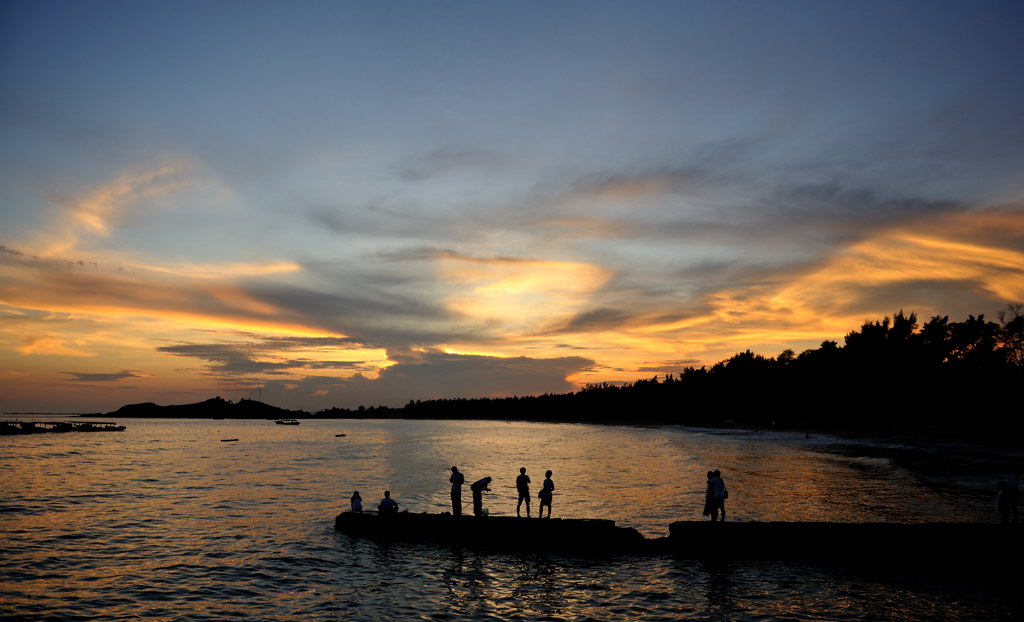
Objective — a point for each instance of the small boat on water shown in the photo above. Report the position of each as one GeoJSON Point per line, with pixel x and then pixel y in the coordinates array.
{"type": "Point", "coordinates": [286, 421]}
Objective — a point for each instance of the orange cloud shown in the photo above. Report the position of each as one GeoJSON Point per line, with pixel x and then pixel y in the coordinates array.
{"type": "Point", "coordinates": [51, 344]}
{"type": "Point", "coordinates": [975, 252]}
{"type": "Point", "coordinates": [518, 294]}
{"type": "Point", "coordinates": [215, 301]}
{"type": "Point", "coordinates": [905, 255]}
{"type": "Point", "coordinates": [224, 270]}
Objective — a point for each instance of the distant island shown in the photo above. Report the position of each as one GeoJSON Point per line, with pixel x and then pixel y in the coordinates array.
{"type": "Point", "coordinates": [892, 375]}
{"type": "Point", "coordinates": [213, 408]}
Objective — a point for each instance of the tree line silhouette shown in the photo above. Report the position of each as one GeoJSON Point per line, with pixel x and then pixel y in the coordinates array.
{"type": "Point", "coordinates": [892, 374]}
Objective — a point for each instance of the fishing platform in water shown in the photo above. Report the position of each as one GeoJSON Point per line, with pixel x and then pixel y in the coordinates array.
{"type": "Point", "coordinates": [494, 532]}
{"type": "Point", "coordinates": [43, 427]}
{"type": "Point", "coordinates": [940, 544]}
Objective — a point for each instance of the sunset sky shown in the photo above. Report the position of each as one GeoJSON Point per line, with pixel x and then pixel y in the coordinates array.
{"type": "Point", "coordinates": [339, 203]}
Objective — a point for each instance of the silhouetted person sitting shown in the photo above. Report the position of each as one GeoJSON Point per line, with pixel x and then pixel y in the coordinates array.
{"type": "Point", "coordinates": [357, 503]}
{"type": "Point", "coordinates": [388, 506]}
{"type": "Point", "coordinates": [457, 479]}
{"type": "Point", "coordinates": [478, 489]}
{"type": "Point", "coordinates": [523, 486]}
{"type": "Point", "coordinates": [547, 491]}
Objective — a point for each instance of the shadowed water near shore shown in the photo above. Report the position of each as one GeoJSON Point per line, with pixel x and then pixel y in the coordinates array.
{"type": "Point", "coordinates": [165, 521]}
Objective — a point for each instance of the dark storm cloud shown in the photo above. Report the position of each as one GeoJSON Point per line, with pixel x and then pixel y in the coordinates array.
{"type": "Point", "coordinates": [295, 343]}
{"type": "Point", "coordinates": [358, 304]}
{"type": "Point", "coordinates": [234, 359]}
{"type": "Point", "coordinates": [99, 377]}
{"type": "Point", "coordinates": [225, 358]}
{"type": "Point", "coordinates": [596, 320]}
{"type": "Point", "coordinates": [431, 374]}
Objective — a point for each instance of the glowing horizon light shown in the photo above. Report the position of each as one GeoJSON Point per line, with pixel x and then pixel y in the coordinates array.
{"type": "Point", "coordinates": [512, 210]}
{"type": "Point", "coordinates": [519, 293]}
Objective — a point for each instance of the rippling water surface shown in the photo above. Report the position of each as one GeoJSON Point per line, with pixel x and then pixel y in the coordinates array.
{"type": "Point", "coordinates": [166, 521]}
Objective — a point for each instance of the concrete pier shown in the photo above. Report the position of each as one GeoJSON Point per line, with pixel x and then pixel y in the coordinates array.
{"type": "Point", "coordinates": [958, 545]}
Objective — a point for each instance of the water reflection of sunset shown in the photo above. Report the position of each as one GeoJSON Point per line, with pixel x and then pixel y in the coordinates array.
{"type": "Point", "coordinates": [165, 516]}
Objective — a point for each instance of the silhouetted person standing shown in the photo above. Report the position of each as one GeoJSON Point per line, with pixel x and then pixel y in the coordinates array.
{"type": "Point", "coordinates": [387, 505]}
{"type": "Point", "coordinates": [718, 495]}
{"type": "Point", "coordinates": [478, 489]}
{"type": "Point", "coordinates": [523, 486]}
{"type": "Point", "coordinates": [546, 492]}
{"type": "Point", "coordinates": [457, 479]}
{"type": "Point", "coordinates": [709, 494]}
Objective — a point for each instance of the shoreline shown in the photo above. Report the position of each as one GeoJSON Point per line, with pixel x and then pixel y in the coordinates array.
{"type": "Point", "coordinates": [931, 436]}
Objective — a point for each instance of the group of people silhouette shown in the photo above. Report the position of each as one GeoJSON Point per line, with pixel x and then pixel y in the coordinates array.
{"type": "Point", "coordinates": [715, 494]}
{"type": "Point", "coordinates": [480, 486]}
{"type": "Point", "coordinates": [388, 505]}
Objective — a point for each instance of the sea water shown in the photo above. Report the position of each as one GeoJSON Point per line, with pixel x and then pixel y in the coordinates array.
{"type": "Point", "coordinates": [170, 520]}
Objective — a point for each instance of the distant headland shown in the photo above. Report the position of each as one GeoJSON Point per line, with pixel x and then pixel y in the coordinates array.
{"type": "Point", "coordinates": [892, 376]}
{"type": "Point", "coordinates": [213, 408]}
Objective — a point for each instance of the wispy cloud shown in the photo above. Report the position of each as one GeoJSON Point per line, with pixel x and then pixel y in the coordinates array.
{"type": "Point", "coordinates": [99, 209]}
{"type": "Point", "coordinates": [53, 344]}
{"type": "Point", "coordinates": [74, 286]}
{"type": "Point", "coordinates": [250, 358]}
{"type": "Point", "coordinates": [102, 377]}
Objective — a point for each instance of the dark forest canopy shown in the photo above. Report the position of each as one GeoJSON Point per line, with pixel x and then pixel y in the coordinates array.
{"type": "Point", "coordinates": [894, 375]}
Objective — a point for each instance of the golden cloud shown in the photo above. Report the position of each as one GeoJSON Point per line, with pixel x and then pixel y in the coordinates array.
{"type": "Point", "coordinates": [225, 270]}
{"type": "Point", "coordinates": [968, 252]}
{"type": "Point", "coordinates": [214, 302]}
{"type": "Point", "coordinates": [518, 293]}
{"type": "Point", "coordinates": [937, 253]}
{"type": "Point", "coordinates": [52, 345]}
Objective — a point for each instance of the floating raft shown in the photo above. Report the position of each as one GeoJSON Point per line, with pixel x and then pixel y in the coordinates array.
{"type": "Point", "coordinates": [41, 427]}
{"type": "Point", "coordinates": [495, 532]}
